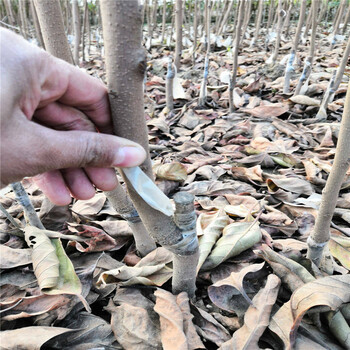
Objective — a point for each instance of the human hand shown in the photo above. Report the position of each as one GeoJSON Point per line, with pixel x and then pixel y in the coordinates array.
{"type": "Point", "coordinates": [55, 121]}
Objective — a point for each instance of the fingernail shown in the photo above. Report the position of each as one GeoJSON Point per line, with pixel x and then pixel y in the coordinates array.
{"type": "Point", "coordinates": [129, 156]}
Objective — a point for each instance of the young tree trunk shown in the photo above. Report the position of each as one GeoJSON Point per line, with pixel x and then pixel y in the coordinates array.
{"type": "Point", "coordinates": [85, 20]}
{"type": "Point", "coordinates": [309, 60]}
{"type": "Point", "coordinates": [23, 17]}
{"type": "Point", "coordinates": [36, 25]}
{"type": "Point", "coordinates": [300, 25]}
{"type": "Point", "coordinates": [235, 55]}
{"type": "Point", "coordinates": [281, 14]}
{"type": "Point", "coordinates": [308, 23]}
{"type": "Point", "coordinates": [268, 25]}
{"type": "Point", "coordinates": [152, 23]}
{"type": "Point", "coordinates": [163, 21]}
{"type": "Point", "coordinates": [320, 234]}
{"type": "Point", "coordinates": [178, 26]}
{"type": "Point", "coordinates": [226, 17]}
{"type": "Point", "coordinates": [220, 16]}
{"type": "Point", "coordinates": [8, 7]}
{"type": "Point", "coordinates": [322, 12]}
{"type": "Point", "coordinates": [169, 85]}
{"type": "Point", "coordinates": [246, 20]}
{"type": "Point", "coordinates": [337, 23]}
{"type": "Point", "coordinates": [195, 31]}
{"type": "Point", "coordinates": [121, 202]}
{"type": "Point", "coordinates": [52, 29]}
{"type": "Point", "coordinates": [258, 23]}
{"type": "Point", "coordinates": [289, 68]}
{"type": "Point", "coordinates": [207, 25]}
{"type": "Point", "coordinates": [286, 24]}
{"type": "Point", "coordinates": [77, 32]}
{"type": "Point", "coordinates": [333, 85]}
{"type": "Point", "coordinates": [125, 66]}
{"type": "Point", "coordinates": [346, 21]}
{"type": "Point", "coordinates": [203, 91]}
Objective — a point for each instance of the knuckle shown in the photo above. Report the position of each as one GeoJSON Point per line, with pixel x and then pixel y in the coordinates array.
{"type": "Point", "coordinates": [96, 152]}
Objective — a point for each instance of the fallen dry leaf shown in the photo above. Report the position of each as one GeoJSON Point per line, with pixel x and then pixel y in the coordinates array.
{"type": "Point", "coordinates": [10, 257]}
{"type": "Point", "coordinates": [305, 100]}
{"type": "Point", "coordinates": [339, 246]}
{"type": "Point", "coordinates": [236, 238]}
{"type": "Point", "coordinates": [152, 270]}
{"type": "Point", "coordinates": [236, 280]}
{"type": "Point", "coordinates": [134, 322]}
{"type": "Point", "coordinates": [177, 333]}
{"type": "Point", "coordinates": [268, 111]}
{"type": "Point", "coordinates": [171, 171]}
{"type": "Point", "coordinates": [332, 291]}
{"type": "Point", "coordinates": [256, 319]}
{"type": "Point", "coordinates": [210, 235]}
{"type": "Point", "coordinates": [30, 338]}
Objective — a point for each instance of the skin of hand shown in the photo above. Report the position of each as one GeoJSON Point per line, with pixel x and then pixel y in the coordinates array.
{"type": "Point", "coordinates": [56, 125]}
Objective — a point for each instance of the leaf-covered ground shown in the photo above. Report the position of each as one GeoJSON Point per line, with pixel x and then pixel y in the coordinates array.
{"type": "Point", "coordinates": [257, 175]}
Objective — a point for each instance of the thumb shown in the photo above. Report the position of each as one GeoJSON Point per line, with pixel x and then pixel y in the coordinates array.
{"type": "Point", "coordinates": [42, 149]}
{"type": "Point", "coordinates": [79, 149]}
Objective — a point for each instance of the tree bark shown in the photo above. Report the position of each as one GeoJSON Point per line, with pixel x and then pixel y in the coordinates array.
{"type": "Point", "coordinates": [232, 84]}
{"type": "Point", "coordinates": [23, 17]}
{"type": "Point", "coordinates": [195, 31]}
{"type": "Point", "coordinates": [52, 29]}
{"type": "Point", "coordinates": [281, 14]}
{"type": "Point", "coordinates": [346, 20]}
{"type": "Point", "coordinates": [226, 17]}
{"type": "Point", "coordinates": [269, 19]}
{"type": "Point", "coordinates": [85, 20]}
{"type": "Point", "coordinates": [125, 66]}
{"type": "Point", "coordinates": [178, 26]}
{"type": "Point", "coordinates": [39, 36]}
{"type": "Point", "coordinates": [169, 86]}
{"type": "Point", "coordinates": [8, 7]}
{"type": "Point", "coordinates": [163, 21]}
{"type": "Point", "coordinates": [333, 85]}
{"type": "Point", "coordinates": [258, 23]}
{"type": "Point", "coordinates": [300, 25]}
{"type": "Point", "coordinates": [77, 31]}
{"type": "Point", "coordinates": [337, 23]}
{"type": "Point", "coordinates": [320, 234]}
{"type": "Point", "coordinates": [247, 15]}
{"type": "Point", "coordinates": [309, 60]}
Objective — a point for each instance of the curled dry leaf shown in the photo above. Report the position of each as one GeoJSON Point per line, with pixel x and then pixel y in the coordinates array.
{"type": "Point", "coordinates": [171, 171]}
{"type": "Point", "coordinates": [91, 206]}
{"type": "Point", "coordinates": [254, 173]}
{"type": "Point", "coordinates": [45, 261]}
{"type": "Point", "coordinates": [237, 237]}
{"type": "Point", "coordinates": [339, 246]}
{"type": "Point", "coordinates": [95, 239]}
{"type": "Point", "coordinates": [239, 210]}
{"type": "Point", "coordinates": [208, 328]}
{"type": "Point", "coordinates": [236, 280]}
{"type": "Point", "coordinates": [177, 330]}
{"type": "Point", "coordinates": [152, 270]}
{"type": "Point", "coordinates": [134, 323]}
{"type": "Point", "coordinates": [291, 184]}
{"type": "Point", "coordinates": [10, 257]}
{"type": "Point", "coordinates": [268, 111]}
{"type": "Point", "coordinates": [332, 291]}
{"type": "Point", "coordinates": [281, 323]}
{"type": "Point", "coordinates": [256, 319]}
{"type": "Point", "coordinates": [30, 338]}
{"type": "Point", "coordinates": [305, 100]}
{"type": "Point", "coordinates": [210, 235]}
{"type": "Point", "coordinates": [35, 305]}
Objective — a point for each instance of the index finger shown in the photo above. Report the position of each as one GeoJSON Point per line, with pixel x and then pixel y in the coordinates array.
{"type": "Point", "coordinates": [73, 87]}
